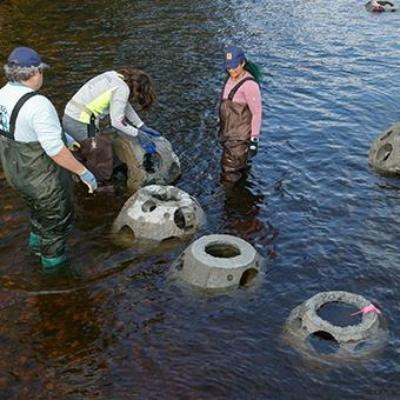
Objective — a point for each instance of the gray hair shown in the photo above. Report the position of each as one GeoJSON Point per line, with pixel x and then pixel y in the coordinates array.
{"type": "Point", "coordinates": [15, 73]}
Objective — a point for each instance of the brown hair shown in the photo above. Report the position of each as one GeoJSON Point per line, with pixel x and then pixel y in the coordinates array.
{"type": "Point", "coordinates": [140, 85]}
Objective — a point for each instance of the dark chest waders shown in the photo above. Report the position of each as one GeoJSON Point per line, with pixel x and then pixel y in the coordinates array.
{"type": "Point", "coordinates": [44, 186]}
{"type": "Point", "coordinates": [235, 131]}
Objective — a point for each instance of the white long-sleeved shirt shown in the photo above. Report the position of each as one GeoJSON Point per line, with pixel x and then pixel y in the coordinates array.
{"type": "Point", "coordinates": [105, 94]}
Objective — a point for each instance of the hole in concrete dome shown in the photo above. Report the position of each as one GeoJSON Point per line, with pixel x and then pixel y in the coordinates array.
{"type": "Point", "coordinates": [384, 152]}
{"type": "Point", "coordinates": [149, 206]}
{"type": "Point", "coordinates": [170, 239]}
{"type": "Point", "coordinates": [179, 219]}
{"type": "Point", "coordinates": [222, 250]}
{"type": "Point", "coordinates": [323, 342]}
{"type": "Point", "coordinates": [151, 163]}
{"type": "Point", "coordinates": [297, 323]}
{"type": "Point", "coordinates": [164, 196]}
{"type": "Point", "coordinates": [127, 233]}
{"type": "Point", "coordinates": [338, 313]}
{"type": "Point", "coordinates": [385, 136]}
{"type": "Point", "coordinates": [179, 266]}
{"type": "Point", "coordinates": [248, 276]}
{"type": "Point", "coordinates": [184, 220]}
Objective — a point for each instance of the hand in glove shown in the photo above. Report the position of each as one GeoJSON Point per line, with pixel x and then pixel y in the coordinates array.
{"type": "Point", "coordinates": [253, 146]}
{"type": "Point", "coordinates": [147, 145]}
{"type": "Point", "coordinates": [71, 142]}
{"type": "Point", "coordinates": [149, 131]}
{"type": "Point", "coordinates": [89, 180]}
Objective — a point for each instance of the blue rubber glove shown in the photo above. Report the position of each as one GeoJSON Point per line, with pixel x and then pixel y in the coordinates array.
{"type": "Point", "coordinates": [71, 142]}
{"type": "Point", "coordinates": [89, 180]}
{"type": "Point", "coordinates": [147, 145]}
{"type": "Point", "coordinates": [149, 131]}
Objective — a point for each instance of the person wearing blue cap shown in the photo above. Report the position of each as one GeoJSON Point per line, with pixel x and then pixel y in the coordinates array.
{"type": "Point", "coordinates": [34, 158]}
{"type": "Point", "coordinates": [240, 114]}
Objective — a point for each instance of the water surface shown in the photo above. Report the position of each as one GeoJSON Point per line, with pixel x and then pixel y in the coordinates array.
{"type": "Point", "coordinates": [323, 219]}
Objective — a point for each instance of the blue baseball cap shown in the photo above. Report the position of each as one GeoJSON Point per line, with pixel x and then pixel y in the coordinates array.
{"type": "Point", "coordinates": [233, 56]}
{"type": "Point", "coordinates": [25, 57]}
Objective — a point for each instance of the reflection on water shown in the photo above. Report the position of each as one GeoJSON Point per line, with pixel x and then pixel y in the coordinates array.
{"type": "Point", "coordinates": [117, 327]}
{"type": "Point", "coordinates": [241, 209]}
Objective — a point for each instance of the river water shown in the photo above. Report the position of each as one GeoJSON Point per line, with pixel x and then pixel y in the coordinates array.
{"type": "Point", "coordinates": [120, 328]}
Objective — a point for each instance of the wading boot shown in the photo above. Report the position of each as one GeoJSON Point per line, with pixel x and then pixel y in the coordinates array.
{"type": "Point", "coordinates": [34, 243]}
{"type": "Point", "coordinates": [50, 265]}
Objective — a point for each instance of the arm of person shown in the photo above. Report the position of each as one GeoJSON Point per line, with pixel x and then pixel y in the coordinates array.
{"type": "Point", "coordinates": [118, 105]}
{"type": "Point", "coordinates": [251, 91]}
{"type": "Point", "coordinates": [132, 116]}
{"type": "Point", "coordinates": [65, 159]}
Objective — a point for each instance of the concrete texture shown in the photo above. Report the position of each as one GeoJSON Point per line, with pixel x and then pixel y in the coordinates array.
{"type": "Point", "coordinates": [159, 213]}
{"type": "Point", "coordinates": [218, 261]}
{"type": "Point", "coordinates": [164, 170]}
{"type": "Point", "coordinates": [304, 321]}
{"type": "Point", "coordinates": [384, 154]}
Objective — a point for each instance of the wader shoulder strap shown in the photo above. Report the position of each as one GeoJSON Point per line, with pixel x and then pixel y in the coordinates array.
{"type": "Point", "coordinates": [91, 128]}
{"type": "Point", "coordinates": [16, 110]}
{"type": "Point", "coordinates": [236, 88]}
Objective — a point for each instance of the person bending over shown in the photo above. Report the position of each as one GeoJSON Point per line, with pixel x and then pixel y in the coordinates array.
{"type": "Point", "coordinates": [109, 95]}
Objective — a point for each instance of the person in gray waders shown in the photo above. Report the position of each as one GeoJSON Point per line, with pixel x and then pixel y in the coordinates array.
{"type": "Point", "coordinates": [109, 95]}
{"type": "Point", "coordinates": [240, 115]}
{"type": "Point", "coordinates": [35, 160]}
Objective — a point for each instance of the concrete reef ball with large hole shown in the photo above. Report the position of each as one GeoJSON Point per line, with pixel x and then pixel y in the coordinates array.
{"type": "Point", "coordinates": [160, 213]}
{"type": "Point", "coordinates": [218, 261]}
{"type": "Point", "coordinates": [353, 341]}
